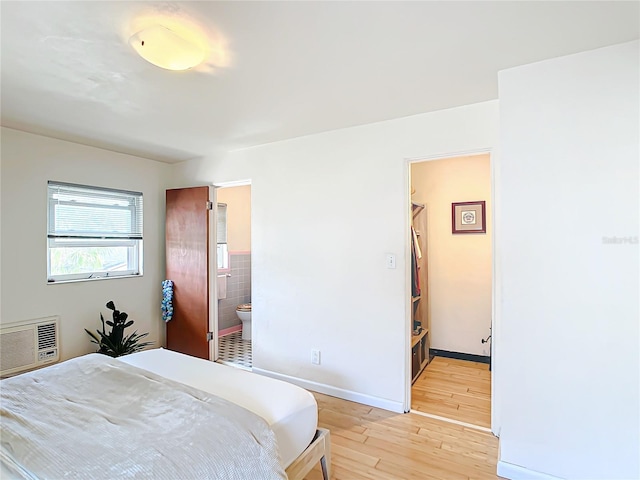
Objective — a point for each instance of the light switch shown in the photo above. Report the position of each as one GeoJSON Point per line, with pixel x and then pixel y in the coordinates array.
{"type": "Point", "coordinates": [391, 260]}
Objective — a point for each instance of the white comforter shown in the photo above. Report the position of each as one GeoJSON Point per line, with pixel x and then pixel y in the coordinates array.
{"type": "Point", "coordinates": [94, 417]}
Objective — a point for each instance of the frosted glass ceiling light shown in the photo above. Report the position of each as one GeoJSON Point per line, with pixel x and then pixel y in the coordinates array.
{"type": "Point", "coordinates": [166, 49]}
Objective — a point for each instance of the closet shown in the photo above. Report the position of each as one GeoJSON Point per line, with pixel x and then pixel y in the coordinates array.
{"type": "Point", "coordinates": [419, 293]}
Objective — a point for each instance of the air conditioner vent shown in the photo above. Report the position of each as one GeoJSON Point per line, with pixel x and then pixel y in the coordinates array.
{"type": "Point", "coordinates": [47, 336]}
{"type": "Point", "coordinates": [28, 345]}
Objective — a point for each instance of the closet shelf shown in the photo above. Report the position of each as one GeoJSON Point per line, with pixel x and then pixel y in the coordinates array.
{"type": "Point", "coordinates": [416, 338]}
{"type": "Point", "coordinates": [420, 342]}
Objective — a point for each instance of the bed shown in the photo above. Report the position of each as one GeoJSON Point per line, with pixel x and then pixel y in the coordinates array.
{"type": "Point", "coordinates": [157, 414]}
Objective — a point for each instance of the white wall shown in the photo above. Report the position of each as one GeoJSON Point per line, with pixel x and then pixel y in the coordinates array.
{"type": "Point", "coordinates": [569, 329]}
{"type": "Point", "coordinates": [326, 209]}
{"type": "Point", "coordinates": [459, 266]}
{"type": "Point", "coordinates": [28, 161]}
{"type": "Point", "coordinates": [1, 135]}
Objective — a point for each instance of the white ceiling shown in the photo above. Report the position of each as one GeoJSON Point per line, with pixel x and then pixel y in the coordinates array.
{"type": "Point", "coordinates": [278, 69]}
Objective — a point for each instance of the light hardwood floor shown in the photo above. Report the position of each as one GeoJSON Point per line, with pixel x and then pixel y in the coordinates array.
{"type": "Point", "coordinates": [456, 389]}
{"type": "Point", "coordinates": [370, 443]}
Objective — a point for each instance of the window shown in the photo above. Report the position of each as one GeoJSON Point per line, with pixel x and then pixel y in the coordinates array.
{"type": "Point", "coordinates": [93, 232]}
{"type": "Point", "coordinates": [221, 232]}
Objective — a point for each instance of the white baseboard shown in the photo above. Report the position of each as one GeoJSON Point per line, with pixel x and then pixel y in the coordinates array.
{"type": "Point", "coordinates": [335, 391]}
{"type": "Point", "coordinates": [516, 472]}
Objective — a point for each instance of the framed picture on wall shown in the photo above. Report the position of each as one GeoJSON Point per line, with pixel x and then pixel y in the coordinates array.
{"type": "Point", "coordinates": [468, 217]}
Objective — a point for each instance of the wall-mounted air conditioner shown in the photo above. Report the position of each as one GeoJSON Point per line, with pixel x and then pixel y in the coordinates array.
{"type": "Point", "coordinates": [29, 344]}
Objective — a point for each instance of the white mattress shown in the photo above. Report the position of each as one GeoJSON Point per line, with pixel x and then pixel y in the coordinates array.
{"type": "Point", "coordinates": [290, 411]}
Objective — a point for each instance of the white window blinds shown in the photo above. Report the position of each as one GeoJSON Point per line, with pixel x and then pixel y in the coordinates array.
{"type": "Point", "coordinates": [79, 211]}
{"type": "Point", "coordinates": [221, 229]}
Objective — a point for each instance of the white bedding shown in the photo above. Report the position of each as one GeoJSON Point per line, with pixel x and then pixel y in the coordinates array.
{"type": "Point", "coordinates": [290, 411]}
{"type": "Point", "coordinates": [94, 417]}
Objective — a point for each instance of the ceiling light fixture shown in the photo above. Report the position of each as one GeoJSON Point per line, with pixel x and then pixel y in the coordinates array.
{"type": "Point", "coordinates": [166, 49]}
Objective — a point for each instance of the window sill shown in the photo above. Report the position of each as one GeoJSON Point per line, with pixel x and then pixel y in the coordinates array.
{"type": "Point", "coordinates": [93, 279]}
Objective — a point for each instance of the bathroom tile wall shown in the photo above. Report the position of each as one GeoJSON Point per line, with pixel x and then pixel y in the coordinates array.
{"type": "Point", "coordinates": [238, 290]}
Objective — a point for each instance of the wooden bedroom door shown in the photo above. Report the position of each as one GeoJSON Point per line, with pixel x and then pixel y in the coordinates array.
{"type": "Point", "coordinates": [189, 222]}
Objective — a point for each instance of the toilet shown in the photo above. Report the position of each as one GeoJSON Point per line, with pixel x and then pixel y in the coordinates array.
{"type": "Point", "coordinates": [244, 314]}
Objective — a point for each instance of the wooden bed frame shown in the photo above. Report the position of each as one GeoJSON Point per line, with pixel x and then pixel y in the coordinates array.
{"type": "Point", "coordinates": [318, 450]}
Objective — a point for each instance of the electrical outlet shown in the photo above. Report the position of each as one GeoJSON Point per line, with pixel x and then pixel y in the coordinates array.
{"type": "Point", "coordinates": [315, 357]}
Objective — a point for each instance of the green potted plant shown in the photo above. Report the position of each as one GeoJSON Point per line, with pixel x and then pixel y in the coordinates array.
{"type": "Point", "coordinates": [115, 343]}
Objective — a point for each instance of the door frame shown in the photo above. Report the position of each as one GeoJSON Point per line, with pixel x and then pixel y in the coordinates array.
{"type": "Point", "coordinates": [214, 350]}
{"type": "Point", "coordinates": [213, 275]}
{"type": "Point", "coordinates": [495, 407]}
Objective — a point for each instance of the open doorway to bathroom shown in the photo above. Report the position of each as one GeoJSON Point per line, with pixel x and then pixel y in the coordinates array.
{"type": "Point", "coordinates": [451, 290]}
{"type": "Point", "coordinates": [234, 275]}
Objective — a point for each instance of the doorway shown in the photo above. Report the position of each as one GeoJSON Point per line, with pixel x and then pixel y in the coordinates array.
{"type": "Point", "coordinates": [233, 253]}
{"type": "Point", "coordinates": [451, 252]}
